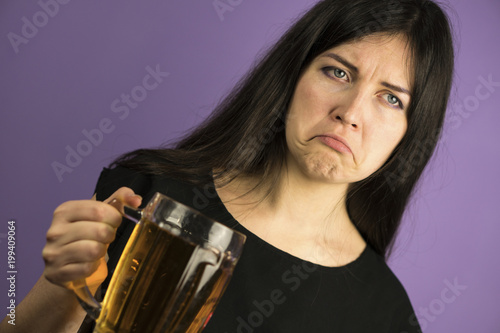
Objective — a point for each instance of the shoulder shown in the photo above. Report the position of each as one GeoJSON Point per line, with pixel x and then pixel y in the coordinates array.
{"type": "Point", "coordinates": [392, 293]}
{"type": "Point", "coordinates": [383, 278]}
{"type": "Point", "coordinates": [112, 179]}
{"type": "Point", "coordinates": [142, 183]}
{"type": "Point", "coordinates": [200, 195]}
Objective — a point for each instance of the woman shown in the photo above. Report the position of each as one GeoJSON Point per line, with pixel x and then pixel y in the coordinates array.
{"type": "Point", "coordinates": [314, 156]}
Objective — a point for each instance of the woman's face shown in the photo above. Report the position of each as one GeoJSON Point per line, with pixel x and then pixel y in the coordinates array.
{"type": "Point", "coordinates": [348, 112]}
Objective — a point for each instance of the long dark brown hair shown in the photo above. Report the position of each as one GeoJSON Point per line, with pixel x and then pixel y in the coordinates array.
{"type": "Point", "coordinates": [245, 133]}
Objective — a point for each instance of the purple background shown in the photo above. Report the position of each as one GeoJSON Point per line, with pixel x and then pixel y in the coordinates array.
{"type": "Point", "coordinates": [65, 78]}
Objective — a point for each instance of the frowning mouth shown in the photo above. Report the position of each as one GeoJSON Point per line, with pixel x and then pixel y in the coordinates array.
{"type": "Point", "coordinates": [336, 143]}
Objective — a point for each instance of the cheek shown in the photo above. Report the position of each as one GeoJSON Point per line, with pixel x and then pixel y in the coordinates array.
{"type": "Point", "coordinates": [310, 93]}
{"type": "Point", "coordinates": [400, 131]}
{"type": "Point", "coordinates": [307, 108]}
{"type": "Point", "coordinates": [386, 139]}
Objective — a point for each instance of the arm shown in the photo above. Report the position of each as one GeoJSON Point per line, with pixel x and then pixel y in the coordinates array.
{"type": "Point", "coordinates": [46, 308]}
{"type": "Point", "coordinates": [76, 243]}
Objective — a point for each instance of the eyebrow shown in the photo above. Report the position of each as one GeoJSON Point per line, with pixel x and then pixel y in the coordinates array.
{"type": "Point", "coordinates": [396, 88]}
{"type": "Point", "coordinates": [355, 69]}
{"type": "Point", "coordinates": [343, 62]}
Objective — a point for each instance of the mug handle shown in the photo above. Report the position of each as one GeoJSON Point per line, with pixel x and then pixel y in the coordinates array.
{"type": "Point", "coordinates": [80, 286]}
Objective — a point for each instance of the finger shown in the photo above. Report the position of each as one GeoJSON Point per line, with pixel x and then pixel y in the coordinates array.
{"type": "Point", "coordinates": [126, 196]}
{"type": "Point", "coordinates": [87, 210]}
{"type": "Point", "coordinates": [62, 234]}
{"type": "Point", "coordinates": [83, 251]}
{"type": "Point", "coordinates": [71, 272]}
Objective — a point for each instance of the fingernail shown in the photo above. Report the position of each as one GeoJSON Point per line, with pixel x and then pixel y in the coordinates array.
{"type": "Point", "coordinates": [136, 195]}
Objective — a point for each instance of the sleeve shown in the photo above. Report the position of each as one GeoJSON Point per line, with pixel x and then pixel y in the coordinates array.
{"type": "Point", "coordinates": [111, 180]}
{"type": "Point", "coordinates": [409, 323]}
{"type": "Point", "coordinates": [406, 320]}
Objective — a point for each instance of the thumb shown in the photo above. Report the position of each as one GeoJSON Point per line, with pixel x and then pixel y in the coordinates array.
{"type": "Point", "coordinates": [124, 196]}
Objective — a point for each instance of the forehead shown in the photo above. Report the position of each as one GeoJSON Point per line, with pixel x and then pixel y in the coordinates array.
{"type": "Point", "coordinates": [381, 54]}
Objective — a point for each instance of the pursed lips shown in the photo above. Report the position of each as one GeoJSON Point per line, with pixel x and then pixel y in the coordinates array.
{"type": "Point", "coordinates": [335, 142]}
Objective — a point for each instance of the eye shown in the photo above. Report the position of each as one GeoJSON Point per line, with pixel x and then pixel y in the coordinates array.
{"type": "Point", "coordinates": [339, 73]}
{"type": "Point", "coordinates": [393, 100]}
{"type": "Point", "coordinates": [335, 72]}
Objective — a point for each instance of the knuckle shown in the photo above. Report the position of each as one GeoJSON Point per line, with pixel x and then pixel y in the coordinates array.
{"type": "Point", "coordinates": [104, 233]}
{"type": "Point", "coordinates": [59, 210]}
{"type": "Point", "coordinates": [98, 212]}
{"type": "Point", "coordinates": [53, 234]}
{"type": "Point", "coordinates": [87, 268]}
{"type": "Point", "coordinates": [123, 190]}
{"type": "Point", "coordinates": [62, 209]}
{"type": "Point", "coordinates": [95, 250]}
{"type": "Point", "coordinates": [49, 255]}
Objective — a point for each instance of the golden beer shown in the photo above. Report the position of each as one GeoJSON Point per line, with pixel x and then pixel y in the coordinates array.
{"type": "Point", "coordinates": [164, 283]}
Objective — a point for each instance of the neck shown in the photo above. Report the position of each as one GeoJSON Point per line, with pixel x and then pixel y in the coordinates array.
{"type": "Point", "coordinates": [301, 216]}
{"type": "Point", "coordinates": [306, 205]}
{"type": "Point", "coordinates": [294, 192]}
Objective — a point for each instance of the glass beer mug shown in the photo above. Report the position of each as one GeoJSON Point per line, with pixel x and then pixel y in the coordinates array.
{"type": "Point", "coordinates": [171, 275]}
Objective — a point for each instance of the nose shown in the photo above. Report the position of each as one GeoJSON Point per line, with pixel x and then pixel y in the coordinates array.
{"type": "Point", "coordinates": [348, 110]}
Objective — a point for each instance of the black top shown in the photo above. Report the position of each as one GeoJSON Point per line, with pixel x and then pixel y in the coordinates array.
{"type": "Point", "coordinates": [271, 290]}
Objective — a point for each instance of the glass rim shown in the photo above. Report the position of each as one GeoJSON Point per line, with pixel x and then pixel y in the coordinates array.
{"type": "Point", "coordinates": [157, 196]}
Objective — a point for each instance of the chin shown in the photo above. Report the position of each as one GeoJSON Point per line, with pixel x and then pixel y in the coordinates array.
{"type": "Point", "coordinates": [323, 168]}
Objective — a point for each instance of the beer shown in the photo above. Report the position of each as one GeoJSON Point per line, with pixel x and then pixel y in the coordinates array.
{"type": "Point", "coordinates": [164, 283]}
